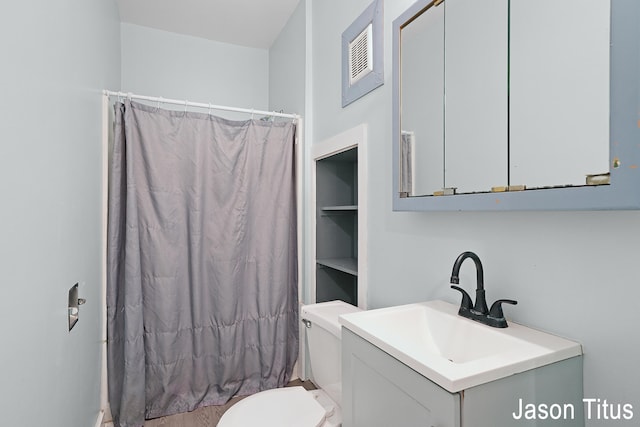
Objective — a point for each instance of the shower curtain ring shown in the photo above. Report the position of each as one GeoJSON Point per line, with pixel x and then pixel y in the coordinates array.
{"type": "Point", "coordinates": [210, 106]}
{"type": "Point", "coordinates": [159, 101]}
{"type": "Point", "coordinates": [185, 106]}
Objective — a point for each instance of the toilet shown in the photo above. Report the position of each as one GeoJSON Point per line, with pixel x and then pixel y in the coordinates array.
{"type": "Point", "coordinates": [295, 406]}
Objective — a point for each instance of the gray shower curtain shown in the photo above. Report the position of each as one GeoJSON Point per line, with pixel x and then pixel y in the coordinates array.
{"type": "Point", "coordinates": [202, 262]}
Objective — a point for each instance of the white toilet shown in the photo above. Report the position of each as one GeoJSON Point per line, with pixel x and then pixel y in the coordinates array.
{"type": "Point", "coordinates": [294, 406]}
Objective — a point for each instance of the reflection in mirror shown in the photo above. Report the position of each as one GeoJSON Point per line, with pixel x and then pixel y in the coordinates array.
{"type": "Point", "coordinates": [476, 52]}
{"type": "Point", "coordinates": [422, 103]}
{"type": "Point", "coordinates": [507, 98]}
{"type": "Point", "coordinates": [559, 101]}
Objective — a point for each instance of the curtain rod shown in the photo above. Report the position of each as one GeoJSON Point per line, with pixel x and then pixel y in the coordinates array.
{"type": "Point", "coordinates": [161, 100]}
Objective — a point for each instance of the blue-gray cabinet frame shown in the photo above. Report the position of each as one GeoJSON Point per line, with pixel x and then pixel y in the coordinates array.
{"type": "Point", "coordinates": [624, 190]}
{"type": "Point", "coordinates": [373, 15]}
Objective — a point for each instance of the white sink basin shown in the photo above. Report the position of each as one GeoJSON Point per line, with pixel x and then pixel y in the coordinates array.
{"type": "Point", "coordinates": [452, 351]}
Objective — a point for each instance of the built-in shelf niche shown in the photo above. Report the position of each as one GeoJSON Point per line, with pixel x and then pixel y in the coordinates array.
{"type": "Point", "coordinates": [337, 227]}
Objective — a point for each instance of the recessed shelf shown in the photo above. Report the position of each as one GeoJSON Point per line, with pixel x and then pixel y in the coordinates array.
{"type": "Point", "coordinates": [336, 212]}
{"type": "Point", "coordinates": [346, 265]}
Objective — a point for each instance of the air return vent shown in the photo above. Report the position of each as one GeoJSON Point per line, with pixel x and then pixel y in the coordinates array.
{"type": "Point", "coordinates": [361, 55]}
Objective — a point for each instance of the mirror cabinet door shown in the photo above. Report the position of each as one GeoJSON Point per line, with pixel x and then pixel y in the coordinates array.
{"type": "Point", "coordinates": [422, 104]}
{"type": "Point", "coordinates": [559, 91]}
{"type": "Point", "coordinates": [476, 53]}
{"type": "Point", "coordinates": [502, 94]}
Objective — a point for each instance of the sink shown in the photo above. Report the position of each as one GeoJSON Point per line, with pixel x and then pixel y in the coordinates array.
{"type": "Point", "coordinates": [454, 352]}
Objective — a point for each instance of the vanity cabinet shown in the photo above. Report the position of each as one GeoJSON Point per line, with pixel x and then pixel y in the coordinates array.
{"type": "Point", "coordinates": [337, 227]}
{"type": "Point", "coordinates": [380, 391]}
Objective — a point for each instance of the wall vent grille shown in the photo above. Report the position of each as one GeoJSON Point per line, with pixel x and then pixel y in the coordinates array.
{"type": "Point", "coordinates": [361, 55]}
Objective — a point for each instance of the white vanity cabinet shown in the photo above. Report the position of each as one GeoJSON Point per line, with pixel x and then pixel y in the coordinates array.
{"type": "Point", "coordinates": [380, 391]}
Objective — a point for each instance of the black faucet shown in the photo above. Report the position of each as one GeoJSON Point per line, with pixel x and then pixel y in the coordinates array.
{"type": "Point", "coordinates": [479, 312]}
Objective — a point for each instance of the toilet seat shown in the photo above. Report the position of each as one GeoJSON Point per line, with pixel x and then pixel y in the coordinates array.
{"type": "Point", "coordinates": [281, 407]}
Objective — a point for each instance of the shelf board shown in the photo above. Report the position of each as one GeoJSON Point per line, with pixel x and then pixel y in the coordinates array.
{"type": "Point", "coordinates": [346, 265]}
{"type": "Point", "coordinates": [327, 210]}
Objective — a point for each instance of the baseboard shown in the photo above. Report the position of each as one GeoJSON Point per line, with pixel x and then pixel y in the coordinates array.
{"type": "Point", "coordinates": [100, 418]}
{"type": "Point", "coordinates": [296, 371]}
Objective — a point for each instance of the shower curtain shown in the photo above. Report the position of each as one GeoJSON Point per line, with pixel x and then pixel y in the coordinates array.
{"type": "Point", "coordinates": [202, 262]}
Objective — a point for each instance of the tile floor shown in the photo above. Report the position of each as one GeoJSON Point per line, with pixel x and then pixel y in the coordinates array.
{"type": "Point", "coordinates": [207, 416]}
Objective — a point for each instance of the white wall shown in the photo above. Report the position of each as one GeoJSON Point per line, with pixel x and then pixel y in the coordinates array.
{"type": "Point", "coordinates": [287, 85]}
{"type": "Point", "coordinates": [574, 273]}
{"type": "Point", "coordinates": [57, 57]}
{"type": "Point", "coordinates": [160, 63]}
{"type": "Point", "coordinates": [287, 65]}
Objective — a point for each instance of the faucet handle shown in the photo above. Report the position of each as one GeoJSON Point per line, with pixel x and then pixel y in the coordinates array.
{"type": "Point", "coordinates": [466, 303]}
{"type": "Point", "coordinates": [496, 308]}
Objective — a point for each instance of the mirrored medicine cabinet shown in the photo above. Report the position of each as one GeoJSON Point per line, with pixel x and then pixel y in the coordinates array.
{"type": "Point", "coordinates": [516, 105]}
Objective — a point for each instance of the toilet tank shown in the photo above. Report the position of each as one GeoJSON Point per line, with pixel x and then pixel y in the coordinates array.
{"type": "Point", "coordinates": [324, 344]}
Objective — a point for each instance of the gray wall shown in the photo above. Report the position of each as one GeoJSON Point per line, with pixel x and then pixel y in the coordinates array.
{"type": "Point", "coordinates": [160, 63]}
{"type": "Point", "coordinates": [57, 57]}
{"type": "Point", "coordinates": [574, 273]}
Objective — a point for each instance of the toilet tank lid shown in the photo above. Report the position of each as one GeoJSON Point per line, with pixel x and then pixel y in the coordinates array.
{"type": "Point", "coordinates": [325, 314]}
